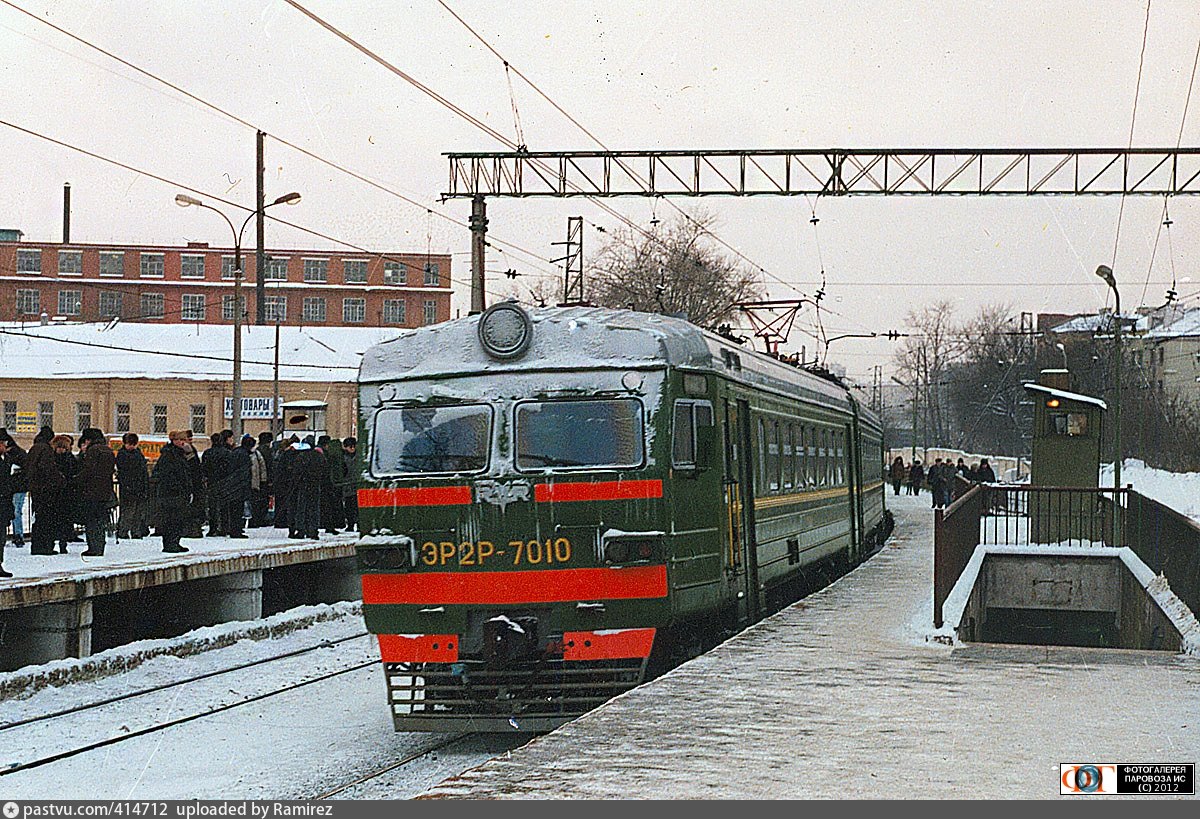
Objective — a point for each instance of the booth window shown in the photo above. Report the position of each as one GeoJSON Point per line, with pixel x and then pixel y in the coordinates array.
{"type": "Point", "coordinates": [1071, 424]}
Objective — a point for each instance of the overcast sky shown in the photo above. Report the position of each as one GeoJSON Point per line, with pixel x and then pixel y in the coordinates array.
{"type": "Point", "coordinates": [640, 75]}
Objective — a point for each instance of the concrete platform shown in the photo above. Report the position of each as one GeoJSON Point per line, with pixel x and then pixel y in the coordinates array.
{"type": "Point", "coordinates": [840, 696]}
{"type": "Point", "coordinates": [61, 606]}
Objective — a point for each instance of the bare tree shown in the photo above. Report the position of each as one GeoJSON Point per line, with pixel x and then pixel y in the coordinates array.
{"type": "Point", "coordinates": [924, 359]}
{"type": "Point", "coordinates": [676, 270]}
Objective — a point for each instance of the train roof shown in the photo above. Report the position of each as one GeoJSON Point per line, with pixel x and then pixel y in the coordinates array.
{"type": "Point", "coordinates": [582, 338]}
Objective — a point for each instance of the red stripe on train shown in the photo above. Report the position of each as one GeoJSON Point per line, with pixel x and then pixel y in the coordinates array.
{"type": "Point", "coordinates": [618, 644]}
{"type": "Point", "coordinates": [415, 496]}
{"type": "Point", "coordinates": [507, 588]}
{"type": "Point", "coordinates": [599, 490]}
{"type": "Point", "coordinates": [418, 648]}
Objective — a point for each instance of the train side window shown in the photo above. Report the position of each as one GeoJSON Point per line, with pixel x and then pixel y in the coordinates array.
{"type": "Point", "coordinates": [773, 458]}
{"type": "Point", "coordinates": [789, 458]}
{"type": "Point", "coordinates": [689, 416]}
{"type": "Point", "coordinates": [823, 459]}
{"type": "Point", "coordinates": [761, 456]}
{"type": "Point", "coordinates": [806, 463]}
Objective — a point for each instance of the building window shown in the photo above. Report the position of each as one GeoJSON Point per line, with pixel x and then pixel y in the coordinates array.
{"type": "Point", "coordinates": [70, 302]}
{"type": "Point", "coordinates": [122, 419]}
{"type": "Point", "coordinates": [10, 415]}
{"type": "Point", "coordinates": [83, 415]}
{"type": "Point", "coordinates": [46, 414]}
{"type": "Point", "coordinates": [152, 265]}
{"type": "Point", "coordinates": [227, 307]}
{"type": "Point", "coordinates": [153, 306]}
{"type": "Point", "coordinates": [275, 308]}
{"type": "Point", "coordinates": [70, 262]}
{"type": "Point", "coordinates": [356, 271]}
{"type": "Point", "coordinates": [432, 278]}
{"type": "Point", "coordinates": [393, 311]}
{"type": "Point", "coordinates": [430, 311]}
{"type": "Point", "coordinates": [395, 273]}
{"type": "Point", "coordinates": [29, 302]}
{"type": "Point", "coordinates": [110, 304]}
{"type": "Point", "coordinates": [199, 419]}
{"type": "Point", "coordinates": [29, 261]}
{"type": "Point", "coordinates": [191, 266]}
{"type": "Point", "coordinates": [112, 264]}
{"type": "Point", "coordinates": [354, 311]}
{"type": "Point", "coordinates": [277, 270]}
{"type": "Point", "coordinates": [316, 270]}
{"type": "Point", "coordinates": [314, 309]}
{"type": "Point", "coordinates": [227, 267]}
{"type": "Point", "coordinates": [158, 419]}
{"type": "Point", "coordinates": [193, 307]}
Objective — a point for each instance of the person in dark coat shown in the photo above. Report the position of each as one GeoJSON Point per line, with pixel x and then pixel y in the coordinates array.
{"type": "Point", "coordinates": [985, 473]}
{"type": "Point", "coordinates": [350, 487]}
{"type": "Point", "coordinates": [332, 517]}
{"type": "Point", "coordinates": [174, 484]}
{"type": "Point", "coordinates": [68, 465]}
{"type": "Point", "coordinates": [896, 473]}
{"type": "Point", "coordinates": [47, 490]}
{"type": "Point", "coordinates": [216, 465]}
{"type": "Point", "coordinates": [6, 507]}
{"type": "Point", "coordinates": [95, 482]}
{"type": "Point", "coordinates": [916, 478]}
{"type": "Point", "coordinates": [309, 472]}
{"type": "Point", "coordinates": [260, 481]}
{"type": "Point", "coordinates": [937, 481]}
{"type": "Point", "coordinates": [14, 463]}
{"type": "Point", "coordinates": [133, 478]}
{"type": "Point", "coordinates": [236, 487]}
{"type": "Point", "coordinates": [195, 520]}
{"type": "Point", "coordinates": [285, 462]}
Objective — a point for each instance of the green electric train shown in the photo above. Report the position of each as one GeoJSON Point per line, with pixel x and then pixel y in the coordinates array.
{"type": "Point", "coordinates": [553, 501]}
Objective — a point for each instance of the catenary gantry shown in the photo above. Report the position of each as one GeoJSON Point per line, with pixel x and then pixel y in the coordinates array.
{"type": "Point", "coordinates": [828, 172]}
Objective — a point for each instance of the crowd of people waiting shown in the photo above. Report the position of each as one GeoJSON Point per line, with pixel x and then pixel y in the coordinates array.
{"type": "Point", "coordinates": [312, 483]}
{"type": "Point", "coordinates": [939, 477]}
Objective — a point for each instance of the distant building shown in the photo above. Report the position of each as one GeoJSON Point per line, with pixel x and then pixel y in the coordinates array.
{"type": "Point", "coordinates": [151, 379]}
{"type": "Point", "coordinates": [1168, 354]}
{"type": "Point", "coordinates": [194, 284]}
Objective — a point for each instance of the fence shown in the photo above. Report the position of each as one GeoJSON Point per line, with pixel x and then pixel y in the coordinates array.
{"type": "Point", "coordinates": [1166, 541]}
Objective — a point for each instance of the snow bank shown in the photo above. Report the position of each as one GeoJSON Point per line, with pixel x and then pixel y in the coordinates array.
{"type": "Point", "coordinates": [1178, 490]}
{"type": "Point", "coordinates": [29, 680]}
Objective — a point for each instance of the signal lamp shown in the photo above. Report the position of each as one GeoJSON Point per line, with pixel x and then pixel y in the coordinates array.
{"type": "Point", "coordinates": [1052, 403]}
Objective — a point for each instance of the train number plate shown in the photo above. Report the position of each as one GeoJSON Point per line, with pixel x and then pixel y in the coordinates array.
{"type": "Point", "coordinates": [547, 552]}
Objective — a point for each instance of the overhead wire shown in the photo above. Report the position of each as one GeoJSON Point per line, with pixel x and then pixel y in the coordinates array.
{"type": "Point", "coordinates": [633, 174]}
{"type": "Point", "coordinates": [246, 123]}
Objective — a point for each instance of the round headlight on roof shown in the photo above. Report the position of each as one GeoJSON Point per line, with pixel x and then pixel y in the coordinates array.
{"type": "Point", "coordinates": [505, 330]}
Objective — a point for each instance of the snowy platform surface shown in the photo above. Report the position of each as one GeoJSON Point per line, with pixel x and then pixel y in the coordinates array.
{"type": "Point", "coordinates": [841, 696]}
{"type": "Point", "coordinates": [134, 564]}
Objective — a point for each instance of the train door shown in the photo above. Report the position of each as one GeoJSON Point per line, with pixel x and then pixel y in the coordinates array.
{"type": "Point", "coordinates": [854, 479]}
{"type": "Point", "coordinates": [739, 505]}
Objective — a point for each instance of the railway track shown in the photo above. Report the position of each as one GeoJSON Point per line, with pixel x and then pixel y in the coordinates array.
{"type": "Point", "coordinates": [407, 759]}
{"type": "Point", "coordinates": [161, 726]}
{"type": "Point", "coordinates": [174, 684]}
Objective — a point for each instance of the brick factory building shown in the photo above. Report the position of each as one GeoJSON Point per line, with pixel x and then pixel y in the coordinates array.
{"type": "Point", "coordinates": [194, 284]}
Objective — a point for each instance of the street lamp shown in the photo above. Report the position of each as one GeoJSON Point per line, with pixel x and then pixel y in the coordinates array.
{"type": "Point", "coordinates": [1105, 272]}
{"type": "Point", "coordinates": [1062, 349]}
{"type": "Point", "coordinates": [184, 201]}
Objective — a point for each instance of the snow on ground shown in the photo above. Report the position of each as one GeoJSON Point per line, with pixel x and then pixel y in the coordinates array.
{"type": "Point", "coordinates": [138, 554]}
{"type": "Point", "coordinates": [1178, 490]}
{"type": "Point", "coordinates": [293, 745]}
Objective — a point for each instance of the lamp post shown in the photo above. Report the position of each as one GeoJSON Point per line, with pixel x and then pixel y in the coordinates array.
{"type": "Point", "coordinates": [1062, 349]}
{"type": "Point", "coordinates": [184, 201]}
{"type": "Point", "coordinates": [1105, 272]}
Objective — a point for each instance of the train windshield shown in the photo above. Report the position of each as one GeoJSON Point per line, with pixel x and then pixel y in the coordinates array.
{"type": "Point", "coordinates": [426, 440]}
{"type": "Point", "coordinates": [606, 433]}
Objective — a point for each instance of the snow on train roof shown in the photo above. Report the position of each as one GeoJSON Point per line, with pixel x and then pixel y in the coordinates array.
{"type": "Point", "coordinates": [573, 338]}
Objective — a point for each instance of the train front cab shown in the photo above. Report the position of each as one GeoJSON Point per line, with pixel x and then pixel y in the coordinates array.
{"type": "Point", "coordinates": [516, 577]}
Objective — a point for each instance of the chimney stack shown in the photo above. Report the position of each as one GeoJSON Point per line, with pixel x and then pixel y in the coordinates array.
{"type": "Point", "coordinates": [66, 213]}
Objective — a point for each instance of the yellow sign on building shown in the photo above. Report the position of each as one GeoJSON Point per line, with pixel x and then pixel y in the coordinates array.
{"type": "Point", "coordinates": [27, 422]}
